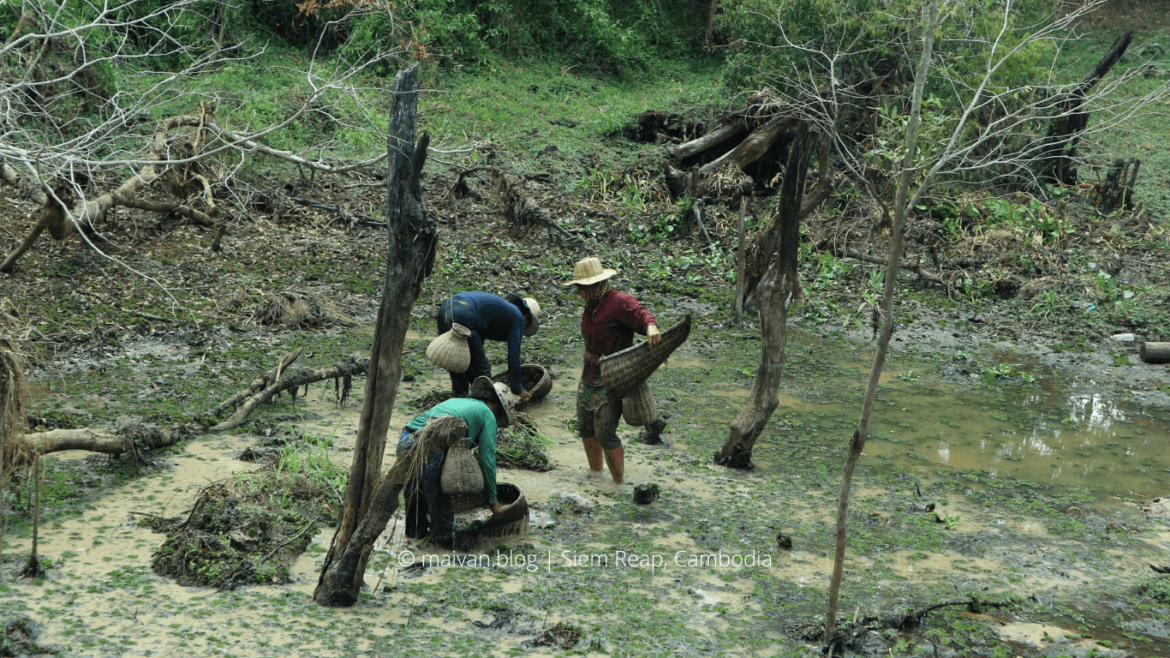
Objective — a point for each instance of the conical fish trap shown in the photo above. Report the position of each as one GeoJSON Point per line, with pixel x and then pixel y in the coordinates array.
{"type": "Point", "coordinates": [623, 371]}
{"type": "Point", "coordinates": [450, 351]}
{"type": "Point", "coordinates": [639, 407]}
{"type": "Point", "coordinates": [535, 378]}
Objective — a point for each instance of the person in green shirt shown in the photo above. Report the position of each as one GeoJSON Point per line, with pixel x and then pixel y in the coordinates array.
{"type": "Point", "coordinates": [489, 407]}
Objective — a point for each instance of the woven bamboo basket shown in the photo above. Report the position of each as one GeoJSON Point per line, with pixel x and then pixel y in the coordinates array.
{"type": "Point", "coordinates": [461, 472]}
{"type": "Point", "coordinates": [536, 379]}
{"type": "Point", "coordinates": [621, 372]}
{"type": "Point", "coordinates": [473, 516]}
{"type": "Point", "coordinates": [639, 407]}
{"type": "Point", "coordinates": [450, 351]}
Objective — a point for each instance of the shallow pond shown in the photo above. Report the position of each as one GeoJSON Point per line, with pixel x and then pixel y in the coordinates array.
{"type": "Point", "coordinates": [101, 598]}
{"type": "Point", "coordinates": [1048, 431]}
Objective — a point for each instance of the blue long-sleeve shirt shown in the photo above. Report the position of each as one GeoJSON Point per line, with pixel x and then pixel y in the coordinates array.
{"type": "Point", "coordinates": [490, 317]}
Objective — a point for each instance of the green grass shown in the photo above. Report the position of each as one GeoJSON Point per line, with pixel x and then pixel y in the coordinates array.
{"type": "Point", "coordinates": [1143, 137]}
{"type": "Point", "coordinates": [527, 105]}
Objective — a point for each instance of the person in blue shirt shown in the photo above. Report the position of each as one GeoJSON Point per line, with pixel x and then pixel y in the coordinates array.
{"type": "Point", "coordinates": [490, 317]}
{"type": "Point", "coordinates": [489, 407]}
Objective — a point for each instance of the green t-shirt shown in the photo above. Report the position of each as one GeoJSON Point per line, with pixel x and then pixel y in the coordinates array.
{"type": "Point", "coordinates": [481, 427]}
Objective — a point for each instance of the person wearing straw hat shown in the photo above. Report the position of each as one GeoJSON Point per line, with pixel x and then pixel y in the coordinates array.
{"type": "Point", "coordinates": [490, 406]}
{"type": "Point", "coordinates": [608, 324]}
{"type": "Point", "coordinates": [490, 317]}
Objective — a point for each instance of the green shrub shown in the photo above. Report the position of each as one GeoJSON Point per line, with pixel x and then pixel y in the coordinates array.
{"type": "Point", "coordinates": [1156, 587]}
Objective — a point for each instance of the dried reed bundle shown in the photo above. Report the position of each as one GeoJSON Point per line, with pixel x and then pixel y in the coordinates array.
{"type": "Point", "coordinates": [436, 435]}
{"type": "Point", "coordinates": [295, 309]}
{"type": "Point", "coordinates": [13, 334]}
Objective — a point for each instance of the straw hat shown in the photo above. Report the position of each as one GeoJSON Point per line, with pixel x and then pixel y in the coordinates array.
{"type": "Point", "coordinates": [450, 351]}
{"type": "Point", "coordinates": [532, 325]}
{"type": "Point", "coordinates": [507, 414]}
{"type": "Point", "coordinates": [588, 271]}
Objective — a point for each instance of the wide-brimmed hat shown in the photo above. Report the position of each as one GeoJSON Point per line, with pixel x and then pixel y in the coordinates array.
{"type": "Point", "coordinates": [484, 387]}
{"type": "Point", "coordinates": [531, 325]}
{"type": "Point", "coordinates": [589, 271]}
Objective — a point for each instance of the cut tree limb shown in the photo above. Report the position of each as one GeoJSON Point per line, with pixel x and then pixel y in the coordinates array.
{"type": "Point", "coordinates": [167, 206]}
{"type": "Point", "coordinates": [290, 382]}
{"type": "Point", "coordinates": [43, 443]}
{"type": "Point", "coordinates": [755, 145]}
{"type": "Point", "coordinates": [520, 208]}
{"type": "Point", "coordinates": [710, 140]}
{"type": "Point", "coordinates": [257, 384]}
{"type": "Point", "coordinates": [843, 252]}
{"type": "Point", "coordinates": [1155, 352]}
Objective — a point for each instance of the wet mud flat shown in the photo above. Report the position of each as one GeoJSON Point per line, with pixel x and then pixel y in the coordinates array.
{"type": "Point", "coordinates": [697, 572]}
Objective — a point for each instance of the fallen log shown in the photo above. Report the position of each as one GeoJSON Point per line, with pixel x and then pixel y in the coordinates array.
{"type": "Point", "coordinates": [257, 384]}
{"type": "Point", "coordinates": [91, 440]}
{"type": "Point", "coordinates": [520, 208]}
{"type": "Point", "coordinates": [754, 146]}
{"type": "Point", "coordinates": [43, 443]}
{"type": "Point", "coordinates": [85, 213]}
{"type": "Point", "coordinates": [1155, 352]}
{"type": "Point", "coordinates": [842, 252]}
{"type": "Point", "coordinates": [291, 382]}
{"type": "Point", "coordinates": [708, 141]}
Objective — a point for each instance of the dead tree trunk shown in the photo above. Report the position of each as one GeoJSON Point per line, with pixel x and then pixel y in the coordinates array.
{"type": "Point", "coordinates": [778, 288]}
{"type": "Point", "coordinates": [1058, 155]}
{"type": "Point", "coordinates": [811, 201]}
{"type": "Point", "coordinates": [412, 241]}
{"type": "Point", "coordinates": [740, 263]}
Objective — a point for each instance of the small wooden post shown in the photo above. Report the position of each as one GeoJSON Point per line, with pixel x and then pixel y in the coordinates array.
{"type": "Point", "coordinates": [740, 262]}
{"type": "Point", "coordinates": [33, 567]}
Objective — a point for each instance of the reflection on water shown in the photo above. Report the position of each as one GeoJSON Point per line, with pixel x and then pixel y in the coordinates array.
{"type": "Point", "coordinates": [1041, 433]}
{"type": "Point", "coordinates": [1094, 409]}
{"type": "Point", "coordinates": [1088, 440]}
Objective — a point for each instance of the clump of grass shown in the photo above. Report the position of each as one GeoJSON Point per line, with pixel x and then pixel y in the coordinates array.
{"type": "Point", "coordinates": [523, 446]}
{"type": "Point", "coordinates": [1156, 587]}
{"type": "Point", "coordinates": [251, 528]}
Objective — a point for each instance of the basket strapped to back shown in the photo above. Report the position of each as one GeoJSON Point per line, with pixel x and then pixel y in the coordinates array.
{"type": "Point", "coordinates": [450, 351]}
{"type": "Point", "coordinates": [639, 407]}
{"type": "Point", "coordinates": [622, 371]}
{"type": "Point", "coordinates": [461, 472]}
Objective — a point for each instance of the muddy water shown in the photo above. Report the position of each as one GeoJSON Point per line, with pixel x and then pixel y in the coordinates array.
{"type": "Point", "coordinates": [1040, 433]}
{"type": "Point", "coordinates": [102, 599]}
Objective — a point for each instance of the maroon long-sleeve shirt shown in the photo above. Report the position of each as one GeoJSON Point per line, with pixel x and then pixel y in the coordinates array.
{"type": "Point", "coordinates": [609, 327]}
